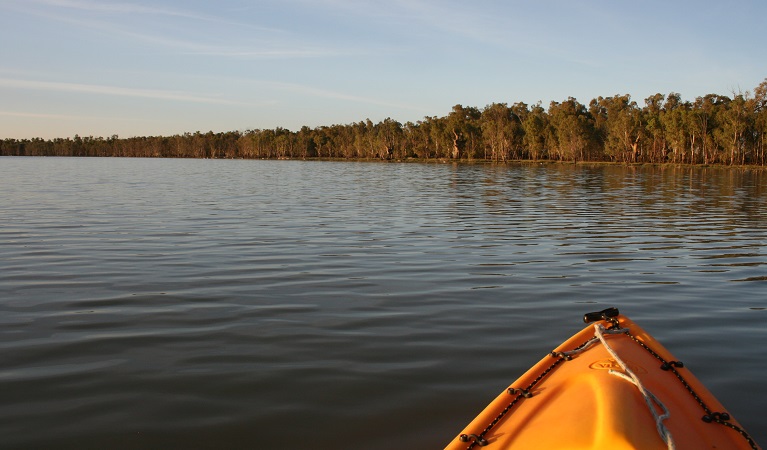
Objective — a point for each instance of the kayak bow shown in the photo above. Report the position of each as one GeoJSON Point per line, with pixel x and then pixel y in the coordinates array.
{"type": "Point", "coordinates": [611, 385]}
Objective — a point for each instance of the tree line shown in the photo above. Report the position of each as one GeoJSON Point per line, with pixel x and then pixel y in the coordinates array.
{"type": "Point", "coordinates": [712, 129]}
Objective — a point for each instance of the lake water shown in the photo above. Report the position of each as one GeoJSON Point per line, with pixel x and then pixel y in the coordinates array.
{"type": "Point", "coordinates": [308, 305]}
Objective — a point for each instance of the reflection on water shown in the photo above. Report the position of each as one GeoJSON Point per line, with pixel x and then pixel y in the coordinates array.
{"type": "Point", "coordinates": [247, 304]}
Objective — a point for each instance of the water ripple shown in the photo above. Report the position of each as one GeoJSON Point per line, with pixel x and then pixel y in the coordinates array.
{"type": "Point", "coordinates": [209, 304]}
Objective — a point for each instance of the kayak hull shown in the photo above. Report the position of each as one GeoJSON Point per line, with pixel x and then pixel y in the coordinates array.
{"type": "Point", "coordinates": [580, 401]}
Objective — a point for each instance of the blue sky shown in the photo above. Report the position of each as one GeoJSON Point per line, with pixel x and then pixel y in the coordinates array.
{"type": "Point", "coordinates": [163, 67]}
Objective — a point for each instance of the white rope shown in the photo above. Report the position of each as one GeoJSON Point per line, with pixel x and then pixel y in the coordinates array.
{"type": "Point", "coordinates": [649, 397]}
{"type": "Point", "coordinates": [591, 342]}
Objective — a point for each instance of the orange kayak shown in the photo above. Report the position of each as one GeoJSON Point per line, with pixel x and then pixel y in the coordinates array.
{"type": "Point", "coordinates": [613, 386]}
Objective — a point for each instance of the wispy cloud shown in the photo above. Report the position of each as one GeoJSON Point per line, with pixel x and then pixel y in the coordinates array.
{"type": "Point", "coordinates": [335, 95]}
{"type": "Point", "coordinates": [255, 49]}
{"type": "Point", "coordinates": [253, 41]}
{"type": "Point", "coordinates": [29, 115]}
{"type": "Point", "coordinates": [71, 117]}
{"type": "Point", "coordinates": [112, 90]}
{"type": "Point", "coordinates": [445, 16]}
{"type": "Point", "coordinates": [503, 25]}
{"type": "Point", "coordinates": [118, 8]}
{"type": "Point", "coordinates": [268, 53]}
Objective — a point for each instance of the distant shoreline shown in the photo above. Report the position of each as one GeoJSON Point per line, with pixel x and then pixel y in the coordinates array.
{"type": "Point", "coordinates": [713, 130]}
{"type": "Point", "coordinates": [753, 167]}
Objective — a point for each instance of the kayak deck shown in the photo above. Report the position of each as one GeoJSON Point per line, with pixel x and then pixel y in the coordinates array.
{"type": "Point", "coordinates": [625, 391]}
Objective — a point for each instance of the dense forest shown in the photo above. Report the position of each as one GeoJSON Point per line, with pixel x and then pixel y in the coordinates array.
{"type": "Point", "coordinates": [713, 129]}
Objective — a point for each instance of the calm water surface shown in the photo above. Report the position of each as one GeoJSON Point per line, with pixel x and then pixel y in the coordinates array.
{"type": "Point", "coordinates": [311, 305]}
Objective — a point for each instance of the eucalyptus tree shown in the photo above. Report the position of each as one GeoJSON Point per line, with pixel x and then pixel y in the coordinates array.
{"type": "Point", "coordinates": [573, 128]}
{"type": "Point", "coordinates": [619, 125]}
{"type": "Point", "coordinates": [705, 116]}
{"type": "Point", "coordinates": [342, 141]}
{"type": "Point", "coordinates": [285, 143]}
{"type": "Point", "coordinates": [536, 127]}
{"type": "Point", "coordinates": [464, 130]}
{"type": "Point", "coordinates": [674, 122]}
{"type": "Point", "coordinates": [418, 139]}
{"type": "Point", "coordinates": [367, 138]}
{"type": "Point", "coordinates": [734, 121]}
{"type": "Point", "coordinates": [389, 138]}
{"type": "Point", "coordinates": [13, 147]}
{"type": "Point", "coordinates": [321, 142]}
{"type": "Point", "coordinates": [598, 111]}
{"type": "Point", "coordinates": [440, 136]}
{"type": "Point", "coordinates": [304, 143]}
{"type": "Point", "coordinates": [653, 125]}
{"type": "Point", "coordinates": [245, 145]}
{"type": "Point", "coordinates": [759, 109]}
{"type": "Point", "coordinates": [497, 133]}
{"type": "Point", "coordinates": [519, 113]}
